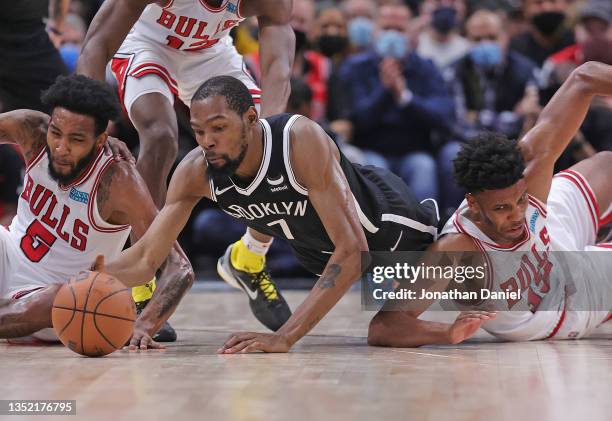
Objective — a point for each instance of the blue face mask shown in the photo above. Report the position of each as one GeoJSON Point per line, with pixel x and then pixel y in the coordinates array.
{"type": "Point", "coordinates": [486, 55]}
{"type": "Point", "coordinates": [360, 32]}
{"type": "Point", "coordinates": [70, 55]}
{"type": "Point", "coordinates": [392, 44]}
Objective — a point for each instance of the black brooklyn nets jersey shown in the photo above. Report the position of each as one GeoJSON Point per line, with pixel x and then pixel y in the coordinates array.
{"type": "Point", "coordinates": [276, 204]}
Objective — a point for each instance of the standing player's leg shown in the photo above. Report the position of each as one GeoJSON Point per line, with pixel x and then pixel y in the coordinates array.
{"type": "Point", "coordinates": [155, 120]}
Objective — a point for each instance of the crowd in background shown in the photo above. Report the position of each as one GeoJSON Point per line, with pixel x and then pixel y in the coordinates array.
{"type": "Point", "coordinates": [398, 84]}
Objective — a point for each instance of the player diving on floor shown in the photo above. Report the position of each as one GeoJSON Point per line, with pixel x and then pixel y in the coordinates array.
{"type": "Point", "coordinates": [284, 177]}
{"type": "Point", "coordinates": [525, 223]}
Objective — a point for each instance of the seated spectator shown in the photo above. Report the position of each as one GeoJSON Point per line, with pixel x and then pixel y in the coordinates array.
{"type": "Point", "coordinates": [397, 102]}
{"type": "Point", "coordinates": [494, 88]}
{"type": "Point", "coordinates": [72, 40]}
{"type": "Point", "coordinates": [593, 43]}
{"type": "Point", "coordinates": [440, 41]}
{"type": "Point", "coordinates": [360, 16]}
{"type": "Point", "coordinates": [330, 36]}
{"type": "Point", "coordinates": [546, 33]}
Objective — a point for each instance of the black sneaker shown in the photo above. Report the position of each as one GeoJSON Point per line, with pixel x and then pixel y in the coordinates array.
{"type": "Point", "coordinates": [266, 301]}
{"type": "Point", "coordinates": [166, 333]}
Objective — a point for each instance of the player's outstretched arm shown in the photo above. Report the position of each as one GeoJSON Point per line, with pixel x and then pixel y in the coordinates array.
{"type": "Point", "coordinates": [123, 194]}
{"type": "Point", "coordinates": [559, 122]}
{"type": "Point", "coordinates": [140, 261]}
{"type": "Point", "coordinates": [26, 128]}
{"type": "Point", "coordinates": [107, 31]}
{"type": "Point", "coordinates": [398, 324]}
{"type": "Point", "coordinates": [276, 51]}
{"type": "Point", "coordinates": [330, 194]}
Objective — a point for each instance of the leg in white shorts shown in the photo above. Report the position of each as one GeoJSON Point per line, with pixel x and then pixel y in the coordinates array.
{"type": "Point", "coordinates": [143, 67]}
{"type": "Point", "coordinates": [574, 218]}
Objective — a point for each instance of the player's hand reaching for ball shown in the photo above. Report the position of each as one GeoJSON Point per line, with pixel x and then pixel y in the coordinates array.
{"type": "Point", "coordinates": [142, 340]}
{"type": "Point", "coordinates": [247, 342]}
{"type": "Point", "coordinates": [467, 324]}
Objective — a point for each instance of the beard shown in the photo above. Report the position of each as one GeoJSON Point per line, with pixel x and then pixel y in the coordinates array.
{"type": "Point", "coordinates": [231, 165]}
{"type": "Point", "coordinates": [75, 171]}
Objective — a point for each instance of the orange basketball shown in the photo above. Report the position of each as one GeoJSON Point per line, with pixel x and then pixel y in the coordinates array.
{"type": "Point", "coordinates": [93, 314]}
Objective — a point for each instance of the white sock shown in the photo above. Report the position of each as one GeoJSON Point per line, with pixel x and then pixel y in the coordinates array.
{"type": "Point", "coordinates": [255, 245]}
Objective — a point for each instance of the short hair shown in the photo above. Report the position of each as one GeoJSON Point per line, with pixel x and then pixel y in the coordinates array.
{"type": "Point", "coordinates": [82, 95]}
{"type": "Point", "coordinates": [235, 92]}
{"type": "Point", "coordinates": [488, 162]}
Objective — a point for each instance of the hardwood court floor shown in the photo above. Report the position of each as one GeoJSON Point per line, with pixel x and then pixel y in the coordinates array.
{"type": "Point", "coordinates": [330, 374]}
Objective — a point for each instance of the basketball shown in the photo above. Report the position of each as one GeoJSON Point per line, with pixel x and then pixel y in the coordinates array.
{"type": "Point", "coordinates": [93, 314]}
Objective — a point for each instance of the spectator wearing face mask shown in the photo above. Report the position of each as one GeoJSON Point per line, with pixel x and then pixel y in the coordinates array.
{"type": "Point", "coordinates": [398, 102]}
{"type": "Point", "coordinates": [74, 35]}
{"type": "Point", "coordinates": [547, 33]}
{"type": "Point", "coordinates": [330, 34]}
{"type": "Point", "coordinates": [360, 23]}
{"type": "Point", "coordinates": [593, 43]}
{"type": "Point", "coordinates": [440, 42]}
{"type": "Point", "coordinates": [494, 88]}
{"type": "Point", "coordinates": [593, 34]}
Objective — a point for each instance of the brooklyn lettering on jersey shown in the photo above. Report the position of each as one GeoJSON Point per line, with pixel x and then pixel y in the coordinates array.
{"type": "Point", "coordinates": [533, 275]}
{"type": "Point", "coordinates": [189, 27]}
{"type": "Point", "coordinates": [261, 210]}
{"type": "Point", "coordinates": [50, 225]}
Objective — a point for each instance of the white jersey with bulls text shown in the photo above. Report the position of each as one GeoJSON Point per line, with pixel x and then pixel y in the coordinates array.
{"type": "Point", "coordinates": [58, 230]}
{"type": "Point", "coordinates": [552, 303]}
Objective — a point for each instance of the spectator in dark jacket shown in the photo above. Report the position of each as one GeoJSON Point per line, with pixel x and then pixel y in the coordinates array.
{"type": "Point", "coordinates": [398, 102]}
{"type": "Point", "coordinates": [495, 89]}
{"type": "Point", "coordinates": [546, 32]}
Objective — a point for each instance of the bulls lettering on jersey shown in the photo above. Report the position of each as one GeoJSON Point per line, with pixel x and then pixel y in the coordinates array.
{"type": "Point", "coordinates": [188, 25]}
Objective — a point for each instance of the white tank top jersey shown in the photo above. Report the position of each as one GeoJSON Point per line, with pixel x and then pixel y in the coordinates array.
{"type": "Point", "coordinates": [189, 25]}
{"type": "Point", "coordinates": [531, 273]}
{"type": "Point", "coordinates": [57, 230]}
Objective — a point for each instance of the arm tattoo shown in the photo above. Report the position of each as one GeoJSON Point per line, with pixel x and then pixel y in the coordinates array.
{"type": "Point", "coordinates": [328, 280]}
{"type": "Point", "coordinates": [169, 297]}
{"type": "Point", "coordinates": [172, 285]}
{"type": "Point", "coordinates": [33, 133]}
{"type": "Point", "coordinates": [105, 185]}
